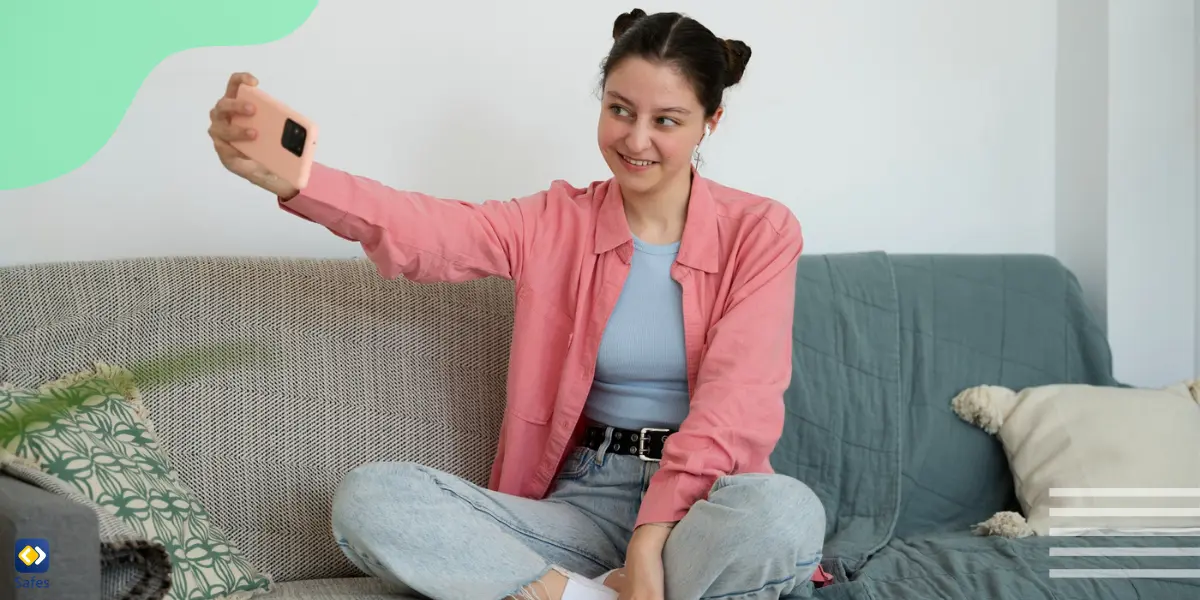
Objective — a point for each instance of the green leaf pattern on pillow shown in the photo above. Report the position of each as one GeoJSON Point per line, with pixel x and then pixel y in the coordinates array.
{"type": "Point", "coordinates": [98, 438]}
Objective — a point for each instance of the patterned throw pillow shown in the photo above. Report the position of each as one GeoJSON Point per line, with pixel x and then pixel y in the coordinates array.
{"type": "Point", "coordinates": [92, 431]}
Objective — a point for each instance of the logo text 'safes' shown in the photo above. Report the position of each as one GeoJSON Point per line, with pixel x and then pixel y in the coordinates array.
{"type": "Point", "coordinates": [31, 556]}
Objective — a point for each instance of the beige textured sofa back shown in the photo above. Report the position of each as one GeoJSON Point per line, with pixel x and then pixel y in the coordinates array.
{"type": "Point", "coordinates": [360, 369]}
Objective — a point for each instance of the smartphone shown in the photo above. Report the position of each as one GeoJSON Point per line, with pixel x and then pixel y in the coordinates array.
{"type": "Point", "coordinates": [286, 139]}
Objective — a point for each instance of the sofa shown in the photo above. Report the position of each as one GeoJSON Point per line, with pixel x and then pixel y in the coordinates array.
{"type": "Point", "coordinates": [355, 368]}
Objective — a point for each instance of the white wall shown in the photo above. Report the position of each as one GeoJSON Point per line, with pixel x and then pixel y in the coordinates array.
{"type": "Point", "coordinates": [921, 126]}
{"type": "Point", "coordinates": [914, 126]}
{"type": "Point", "coordinates": [1152, 204]}
{"type": "Point", "coordinates": [1196, 72]}
{"type": "Point", "coordinates": [1081, 147]}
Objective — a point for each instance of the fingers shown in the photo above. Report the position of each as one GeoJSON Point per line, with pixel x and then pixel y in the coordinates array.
{"type": "Point", "coordinates": [221, 126]}
{"type": "Point", "coordinates": [226, 108]}
{"type": "Point", "coordinates": [225, 131]}
{"type": "Point", "coordinates": [237, 79]}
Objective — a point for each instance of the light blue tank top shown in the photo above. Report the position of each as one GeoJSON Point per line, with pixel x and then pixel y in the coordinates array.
{"type": "Point", "coordinates": [641, 366]}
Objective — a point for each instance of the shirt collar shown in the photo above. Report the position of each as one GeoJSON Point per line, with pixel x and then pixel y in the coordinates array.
{"type": "Point", "coordinates": [697, 249]}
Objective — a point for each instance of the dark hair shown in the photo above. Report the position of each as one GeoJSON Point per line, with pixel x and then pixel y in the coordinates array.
{"type": "Point", "coordinates": [710, 63]}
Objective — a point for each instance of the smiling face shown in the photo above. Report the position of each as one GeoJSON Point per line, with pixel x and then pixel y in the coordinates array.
{"type": "Point", "coordinates": [650, 122]}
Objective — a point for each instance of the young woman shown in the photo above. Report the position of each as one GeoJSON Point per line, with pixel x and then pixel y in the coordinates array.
{"type": "Point", "coordinates": [651, 349]}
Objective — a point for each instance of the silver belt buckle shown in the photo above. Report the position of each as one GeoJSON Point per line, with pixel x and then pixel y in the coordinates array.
{"type": "Point", "coordinates": [642, 443]}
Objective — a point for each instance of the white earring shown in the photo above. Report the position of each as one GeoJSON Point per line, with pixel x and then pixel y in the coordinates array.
{"type": "Point", "coordinates": [696, 150]}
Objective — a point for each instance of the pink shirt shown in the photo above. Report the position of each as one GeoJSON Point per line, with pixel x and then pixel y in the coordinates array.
{"type": "Point", "coordinates": [568, 250]}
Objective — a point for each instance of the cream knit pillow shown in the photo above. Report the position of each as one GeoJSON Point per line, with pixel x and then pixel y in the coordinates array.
{"type": "Point", "coordinates": [1069, 446]}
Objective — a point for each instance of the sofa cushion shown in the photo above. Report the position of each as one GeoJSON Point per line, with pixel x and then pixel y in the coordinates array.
{"type": "Point", "coordinates": [359, 369]}
{"type": "Point", "coordinates": [1067, 443]}
{"type": "Point", "coordinates": [92, 431]}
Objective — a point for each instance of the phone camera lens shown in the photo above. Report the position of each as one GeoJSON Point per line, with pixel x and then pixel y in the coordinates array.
{"type": "Point", "coordinates": [294, 136]}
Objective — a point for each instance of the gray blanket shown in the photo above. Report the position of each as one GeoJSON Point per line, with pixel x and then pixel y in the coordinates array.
{"type": "Point", "coordinates": [883, 343]}
{"type": "Point", "coordinates": [132, 567]}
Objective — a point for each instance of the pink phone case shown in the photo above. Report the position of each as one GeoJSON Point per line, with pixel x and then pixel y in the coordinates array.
{"type": "Point", "coordinates": [286, 139]}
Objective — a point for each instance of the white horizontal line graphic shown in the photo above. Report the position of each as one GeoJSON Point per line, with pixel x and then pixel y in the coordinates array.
{"type": "Point", "coordinates": [1125, 531]}
{"type": "Point", "coordinates": [1115, 551]}
{"type": "Point", "coordinates": [1125, 573]}
{"type": "Point", "coordinates": [1125, 492]}
{"type": "Point", "coordinates": [1090, 511]}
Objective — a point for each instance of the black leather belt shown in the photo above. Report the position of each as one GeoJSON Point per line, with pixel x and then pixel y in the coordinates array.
{"type": "Point", "coordinates": [645, 443]}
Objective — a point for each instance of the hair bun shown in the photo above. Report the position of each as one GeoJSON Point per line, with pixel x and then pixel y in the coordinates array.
{"type": "Point", "coordinates": [625, 21]}
{"type": "Point", "coordinates": [737, 54]}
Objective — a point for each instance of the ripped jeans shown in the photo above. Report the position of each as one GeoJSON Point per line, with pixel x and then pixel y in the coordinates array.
{"type": "Point", "coordinates": [433, 535]}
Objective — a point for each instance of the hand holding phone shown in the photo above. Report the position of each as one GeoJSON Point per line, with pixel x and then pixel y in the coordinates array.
{"type": "Point", "coordinates": [262, 140]}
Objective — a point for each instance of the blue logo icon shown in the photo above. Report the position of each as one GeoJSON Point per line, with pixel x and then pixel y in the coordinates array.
{"type": "Point", "coordinates": [32, 555]}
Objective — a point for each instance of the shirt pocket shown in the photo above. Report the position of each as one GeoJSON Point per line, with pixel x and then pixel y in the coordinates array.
{"type": "Point", "coordinates": [542, 336]}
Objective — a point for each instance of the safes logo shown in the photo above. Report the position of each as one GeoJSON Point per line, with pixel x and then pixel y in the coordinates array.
{"type": "Point", "coordinates": [33, 555]}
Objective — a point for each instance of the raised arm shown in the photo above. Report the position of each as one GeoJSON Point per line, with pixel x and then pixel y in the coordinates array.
{"type": "Point", "coordinates": [423, 238]}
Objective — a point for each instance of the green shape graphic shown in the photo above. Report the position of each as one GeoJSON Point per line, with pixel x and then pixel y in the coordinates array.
{"type": "Point", "coordinates": [71, 68]}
